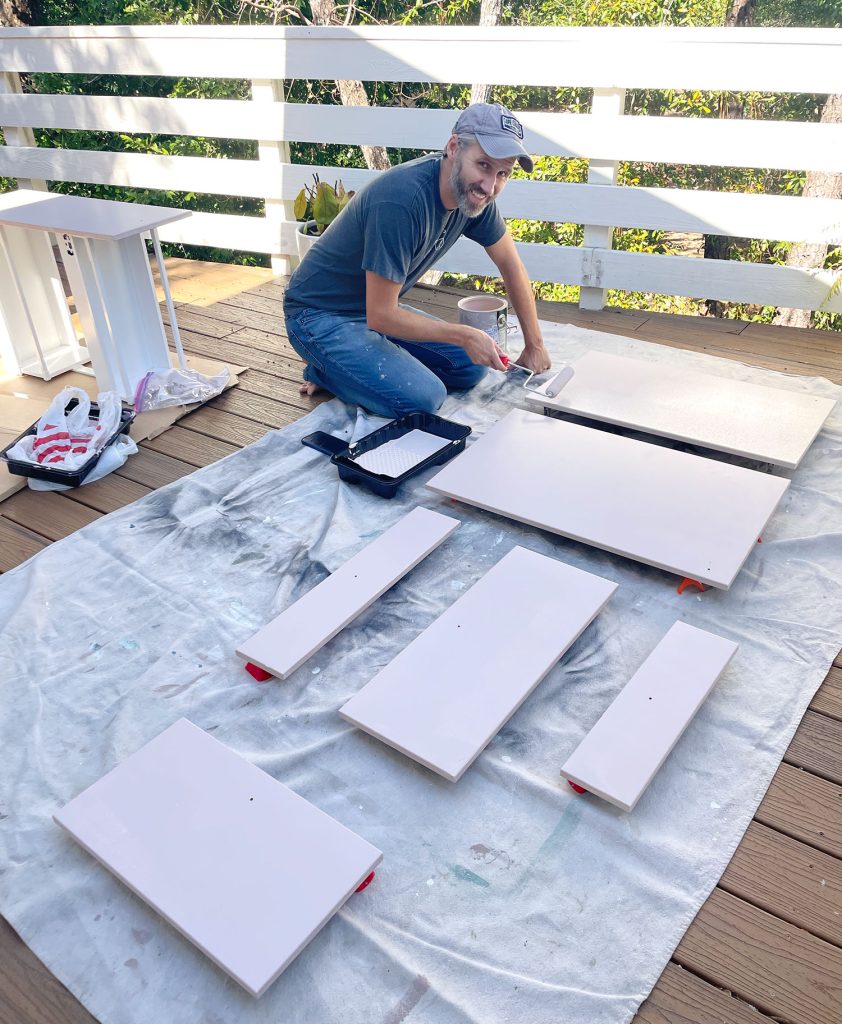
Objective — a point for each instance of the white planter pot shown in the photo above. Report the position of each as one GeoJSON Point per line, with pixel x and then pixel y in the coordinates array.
{"type": "Point", "coordinates": [305, 241]}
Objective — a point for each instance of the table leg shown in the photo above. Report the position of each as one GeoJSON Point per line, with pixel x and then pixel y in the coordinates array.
{"type": "Point", "coordinates": [36, 332]}
{"type": "Point", "coordinates": [121, 311]}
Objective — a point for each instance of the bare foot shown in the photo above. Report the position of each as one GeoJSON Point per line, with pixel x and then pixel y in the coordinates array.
{"type": "Point", "coordinates": [308, 390]}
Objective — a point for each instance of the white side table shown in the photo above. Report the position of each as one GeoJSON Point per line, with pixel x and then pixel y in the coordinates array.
{"type": "Point", "coordinates": [104, 253]}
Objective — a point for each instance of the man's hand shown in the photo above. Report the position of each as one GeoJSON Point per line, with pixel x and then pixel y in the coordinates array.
{"type": "Point", "coordinates": [479, 347]}
{"type": "Point", "coordinates": [535, 358]}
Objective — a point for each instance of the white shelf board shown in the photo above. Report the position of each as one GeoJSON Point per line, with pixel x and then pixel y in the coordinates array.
{"type": "Point", "coordinates": [82, 216]}
{"type": "Point", "coordinates": [239, 864]}
{"type": "Point", "coordinates": [445, 695]}
{"type": "Point", "coordinates": [686, 514]}
{"type": "Point", "coordinates": [620, 755]}
{"type": "Point", "coordinates": [286, 642]}
{"type": "Point", "coordinates": [769, 424]}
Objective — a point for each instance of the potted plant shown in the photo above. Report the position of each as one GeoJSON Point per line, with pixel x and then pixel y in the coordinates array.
{"type": "Point", "coordinates": [317, 206]}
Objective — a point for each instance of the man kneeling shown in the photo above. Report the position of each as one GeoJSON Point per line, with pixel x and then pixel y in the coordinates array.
{"type": "Point", "coordinates": [342, 305]}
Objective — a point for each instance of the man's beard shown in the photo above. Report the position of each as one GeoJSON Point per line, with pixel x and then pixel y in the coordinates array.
{"type": "Point", "coordinates": [465, 199]}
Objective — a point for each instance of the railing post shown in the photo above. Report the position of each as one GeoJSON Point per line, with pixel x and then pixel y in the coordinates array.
{"type": "Point", "coordinates": [274, 154]}
{"type": "Point", "coordinates": [607, 103]}
{"type": "Point", "coordinates": [10, 84]}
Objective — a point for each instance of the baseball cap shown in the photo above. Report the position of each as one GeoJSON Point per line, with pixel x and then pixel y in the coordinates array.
{"type": "Point", "coordinates": [497, 130]}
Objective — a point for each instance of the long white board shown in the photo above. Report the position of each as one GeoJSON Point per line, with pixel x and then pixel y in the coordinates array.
{"type": "Point", "coordinates": [306, 626]}
{"type": "Point", "coordinates": [620, 755]}
{"type": "Point", "coordinates": [770, 424]}
{"type": "Point", "coordinates": [445, 695]}
{"type": "Point", "coordinates": [246, 869]}
{"type": "Point", "coordinates": [686, 514]}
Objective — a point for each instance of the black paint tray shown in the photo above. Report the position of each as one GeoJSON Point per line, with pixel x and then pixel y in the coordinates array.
{"type": "Point", "coordinates": [68, 477]}
{"type": "Point", "coordinates": [384, 445]}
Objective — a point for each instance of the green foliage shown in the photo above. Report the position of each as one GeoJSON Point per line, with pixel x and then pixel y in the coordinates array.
{"type": "Point", "coordinates": [321, 202]}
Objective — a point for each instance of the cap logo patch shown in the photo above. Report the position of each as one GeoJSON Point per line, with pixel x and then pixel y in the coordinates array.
{"type": "Point", "coordinates": [511, 124]}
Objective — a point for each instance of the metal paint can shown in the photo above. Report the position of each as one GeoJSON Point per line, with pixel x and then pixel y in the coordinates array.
{"type": "Point", "coordinates": [487, 313]}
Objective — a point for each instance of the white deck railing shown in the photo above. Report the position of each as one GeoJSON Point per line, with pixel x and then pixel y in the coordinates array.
{"type": "Point", "coordinates": [610, 60]}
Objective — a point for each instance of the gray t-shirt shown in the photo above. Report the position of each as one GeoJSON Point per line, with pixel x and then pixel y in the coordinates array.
{"type": "Point", "coordinates": [396, 227]}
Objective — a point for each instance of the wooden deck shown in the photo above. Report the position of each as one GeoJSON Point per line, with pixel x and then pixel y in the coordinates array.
{"type": "Point", "coordinates": [767, 945]}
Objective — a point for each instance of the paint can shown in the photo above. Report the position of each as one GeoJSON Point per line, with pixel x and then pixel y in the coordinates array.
{"type": "Point", "coordinates": [487, 313]}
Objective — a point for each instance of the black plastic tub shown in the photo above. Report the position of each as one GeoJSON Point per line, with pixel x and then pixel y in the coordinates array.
{"type": "Point", "coordinates": [343, 455]}
{"type": "Point", "coordinates": [67, 477]}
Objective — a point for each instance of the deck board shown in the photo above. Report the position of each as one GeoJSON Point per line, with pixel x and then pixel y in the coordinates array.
{"type": "Point", "coordinates": [17, 544]}
{"type": "Point", "coordinates": [189, 446]}
{"type": "Point", "coordinates": [780, 968]}
{"type": "Point", "coordinates": [768, 943]}
{"type": "Point", "coordinates": [817, 746]}
{"type": "Point", "coordinates": [788, 879]}
{"type": "Point", "coordinates": [828, 700]}
{"type": "Point", "coordinates": [805, 807]}
{"type": "Point", "coordinates": [153, 469]}
{"type": "Point", "coordinates": [109, 494]}
{"type": "Point", "coordinates": [681, 997]}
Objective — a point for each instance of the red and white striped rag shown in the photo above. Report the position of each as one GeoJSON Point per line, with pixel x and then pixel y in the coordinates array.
{"type": "Point", "coordinates": [69, 438]}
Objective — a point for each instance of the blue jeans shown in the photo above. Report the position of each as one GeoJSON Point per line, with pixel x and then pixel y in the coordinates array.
{"type": "Point", "coordinates": [384, 375]}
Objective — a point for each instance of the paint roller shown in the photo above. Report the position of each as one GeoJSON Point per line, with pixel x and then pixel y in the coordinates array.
{"type": "Point", "coordinates": [551, 388]}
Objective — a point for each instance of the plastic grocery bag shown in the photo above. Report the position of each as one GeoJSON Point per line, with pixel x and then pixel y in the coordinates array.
{"type": "Point", "coordinates": [67, 438]}
{"type": "Point", "coordinates": [162, 388]}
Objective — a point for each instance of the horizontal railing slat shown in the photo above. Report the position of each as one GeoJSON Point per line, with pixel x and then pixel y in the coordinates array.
{"type": "Point", "coordinates": [224, 231]}
{"type": "Point", "coordinates": [677, 140]}
{"type": "Point", "coordinates": [766, 60]}
{"type": "Point", "coordinates": [727, 280]}
{"type": "Point", "coordinates": [676, 275]}
{"type": "Point", "coordinates": [784, 218]}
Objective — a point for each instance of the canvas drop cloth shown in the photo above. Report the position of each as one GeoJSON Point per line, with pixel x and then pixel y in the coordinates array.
{"type": "Point", "coordinates": [504, 897]}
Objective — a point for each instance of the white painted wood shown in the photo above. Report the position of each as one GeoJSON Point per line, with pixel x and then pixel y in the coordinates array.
{"type": "Point", "coordinates": [119, 290]}
{"type": "Point", "coordinates": [715, 213]}
{"type": "Point", "coordinates": [108, 268]}
{"type": "Point", "coordinates": [769, 424]}
{"type": "Point", "coordinates": [607, 105]}
{"type": "Point", "coordinates": [141, 170]}
{"type": "Point", "coordinates": [16, 135]}
{"type": "Point", "coordinates": [608, 59]}
{"type": "Point", "coordinates": [766, 60]}
{"type": "Point", "coordinates": [621, 754]}
{"type": "Point", "coordinates": [786, 286]}
{"type": "Point", "coordinates": [720, 279]}
{"type": "Point", "coordinates": [79, 215]}
{"type": "Point", "coordinates": [239, 864]}
{"type": "Point", "coordinates": [274, 155]}
{"type": "Point", "coordinates": [36, 333]}
{"type": "Point", "coordinates": [445, 695]}
{"type": "Point", "coordinates": [251, 234]}
{"type": "Point", "coordinates": [693, 140]}
{"type": "Point", "coordinates": [669, 275]}
{"type": "Point", "coordinates": [788, 218]}
{"type": "Point", "coordinates": [686, 514]}
{"type": "Point", "coordinates": [286, 642]}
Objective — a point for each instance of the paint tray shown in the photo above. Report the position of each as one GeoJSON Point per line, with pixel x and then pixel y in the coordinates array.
{"type": "Point", "coordinates": [68, 477]}
{"type": "Point", "coordinates": [393, 454]}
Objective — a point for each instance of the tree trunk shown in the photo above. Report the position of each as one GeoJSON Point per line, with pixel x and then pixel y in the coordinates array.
{"type": "Point", "coordinates": [825, 185]}
{"type": "Point", "coordinates": [740, 13]}
{"type": "Point", "coordinates": [352, 93]}
{"type": "Point", "coordinates": [17, 13]}
{"type": "Point", "coordinates": [490, 12]}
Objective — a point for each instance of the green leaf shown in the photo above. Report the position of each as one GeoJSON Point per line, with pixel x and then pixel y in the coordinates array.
{"type": "Point", "coordinates": [300, 206]}
{"type": "Point", "coordinates": [325, 204]}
